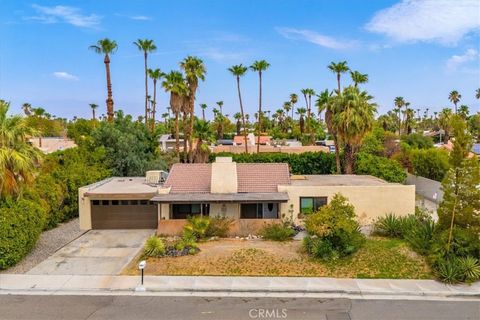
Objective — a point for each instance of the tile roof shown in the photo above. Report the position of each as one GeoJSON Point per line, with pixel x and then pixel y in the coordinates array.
{"type": "Point", "coordinates": [262, 177]}
{"type": "Point", "coordinates": [251, 177]}
{"type": "Point", "coordinates": [189, 177]}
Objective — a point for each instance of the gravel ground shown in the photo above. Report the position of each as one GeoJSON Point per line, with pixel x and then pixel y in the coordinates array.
{"type": "Point", "coordinates": [49, 242]}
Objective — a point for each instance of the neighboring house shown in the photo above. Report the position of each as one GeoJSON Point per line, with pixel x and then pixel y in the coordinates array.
{"type": "Point", "coordinates": [52, 144]}
{"type": "Point", "coordinates": [168, 142]}
{"type": "Point", "coordinates": [252, 140]}
{"type": "Point", "coordinates": [252, 194]}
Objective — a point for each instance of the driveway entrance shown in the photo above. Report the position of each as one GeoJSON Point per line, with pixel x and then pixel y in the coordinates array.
{"type": "Point", "coordinates": [97, 252]}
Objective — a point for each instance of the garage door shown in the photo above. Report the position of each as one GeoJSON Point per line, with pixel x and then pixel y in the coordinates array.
{"type": "Point", "coordinates": [124, 214]}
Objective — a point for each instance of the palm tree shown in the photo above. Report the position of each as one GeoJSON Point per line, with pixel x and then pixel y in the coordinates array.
{"type": "Point", "coordinates": [27, 109]}
{"type": "Point", "coordinates": [293, 100]}
{"type": "Point", "coordinates": [358, 77]}
{"type": "Point", "coordinates": [93, 106]}
{"type": "Point", "coordinates": [175, 84]}
{"type": "Point", "coordinates": [301, 122]}
{"type": "Point", "coordinates": [220, 106]}
{"type": "Point", "coordinates": [203, 134]}
{"type": "Point", "coordinates": [353, 119]}
{"type": "Point", "coordinates": [399, 102]}
{"type": "Point", "coordinates": [194, 71]}
{"type": "Point", "coordinates": [287, 106]}
{"type": "Point", "coordinates": [338, 69]}
{"type": "Point", "coordinates": [444, 121]}
{"type": "Point", "coordinates": [454, 97]}
{"type": "Point", "coordinates": [238, 116]}
{"type": "Point", "coordinates": [147, 46]}
{"type": "Point", "coordinates": [324, 102]}
{"type": "Point", "coordinates": [18, 158]}
{"type": "Point", "coordinates": [477, 93]}
{"type": "Point", "coordinates": [203, 106]}
{"type": "Point", "coordinates": [259, 66]}
{"type": "Point", "coordinates": [239, 71]}
{"type": "Point", "coordinates": [155, 75]}
{"type": "Point", "coordinates": [107, 47]}
{"type": "Point", "coordinates": [463, 111]}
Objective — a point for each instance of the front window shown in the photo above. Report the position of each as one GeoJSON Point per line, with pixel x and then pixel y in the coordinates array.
{"type": "Point", "coordinates": [259, 211]}
{"type": "Point", "coordinates": [311, 204]}
{"type": "Point", "coordinates": [184, 210]}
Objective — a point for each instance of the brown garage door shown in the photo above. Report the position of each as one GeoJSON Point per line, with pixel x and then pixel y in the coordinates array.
{"type": "Point", "coordinates": [124, 214]}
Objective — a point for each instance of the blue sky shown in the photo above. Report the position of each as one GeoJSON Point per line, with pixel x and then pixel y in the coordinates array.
{"type": "Point", "coordinates": [420, 50]}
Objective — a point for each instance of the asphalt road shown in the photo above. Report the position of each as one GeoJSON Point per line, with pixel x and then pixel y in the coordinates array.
{"type": "Point", "coordinates": [50, 307]}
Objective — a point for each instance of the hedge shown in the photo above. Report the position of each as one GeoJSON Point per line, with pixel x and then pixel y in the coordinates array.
{"type": "Point", "coordinates": [303, 163]}
{"type": "Point", "coordinates": [430, 163]}
{"type": "Point", "coordinates": [21, 222]}
{"type": "Point", "coordinates": [380, 167]}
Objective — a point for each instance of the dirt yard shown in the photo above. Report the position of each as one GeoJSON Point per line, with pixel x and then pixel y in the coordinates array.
{"type": "Point", "coordinates": [378, 258]}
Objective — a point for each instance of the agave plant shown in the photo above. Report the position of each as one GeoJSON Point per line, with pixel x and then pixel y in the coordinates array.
{"type": "Point", "coordinates": [389, 225]}
{"type": "Point", "coordinates": [470, 268]}
{"type": "Point", "coordinates": [154, 247]}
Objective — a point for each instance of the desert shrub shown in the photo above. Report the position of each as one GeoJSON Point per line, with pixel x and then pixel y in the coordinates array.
{"type": "Point", "coordinates": [277, 232]}
{"type": "Point", "coordinates": [449, 271]}
{"type": "Point", "coordinates": [197, 226]}
{"type": "Point", "coordinates": [430, 163]}
{"type": "Point", "coordinates": [470, 268]}
{"type": "Point", "coordinates": [417, 141]}
{"type": "Point", "coordinates": [335, 227]}
{"type": "Point", "coordinates": [303, 163]}
{"type": "Point", "coordinates": [380, 167]}
{"type": "Point", "coordinates": [319, 248]}
{"type": "Point", "coordinates": [218, 227]}
{"type": "Point", "coordinates": [21, 222]}
{"type": "Point", "coordinates": [154, 247]}
{"type": "Point", "coordinates": [188, 242]}
{"type": "Point", "coordinates": [389, 225]}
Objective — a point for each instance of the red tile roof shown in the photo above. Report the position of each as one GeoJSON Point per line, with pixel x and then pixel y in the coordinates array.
{"type": "Point", "coordinates": [187, 178]}
{"type": "Point", "coordinates": [251, 177]}
{"type": "Point", "coordinates": [262, 177]}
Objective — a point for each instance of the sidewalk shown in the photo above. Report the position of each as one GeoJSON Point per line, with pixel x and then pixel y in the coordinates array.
{"type": "Point", "coordinates": [55, 284]}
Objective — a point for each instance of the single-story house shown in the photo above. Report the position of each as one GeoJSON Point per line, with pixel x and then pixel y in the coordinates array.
{"type": "Point", "coordinates": [252, 194]}
{"type": "Point", "coordinates": [52, 144]}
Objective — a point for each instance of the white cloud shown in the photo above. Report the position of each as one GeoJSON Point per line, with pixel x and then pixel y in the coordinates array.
{"type": "Point", "coordinates": [442, 21]}
{"type": "Point", "coordinates": [219, 55]}
{"type": "Point", "coordinates": [64, 75]}
{"type": "Point", "coordinates": [457, 61]}
{"type": "Point", "coordinates": [65, 14]}
{"type": "Point", "coordinates": [315, 38]}
{"type": "Point", "coordinates": [143, 18]}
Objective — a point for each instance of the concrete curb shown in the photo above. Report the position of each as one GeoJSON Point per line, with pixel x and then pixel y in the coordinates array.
{"type": "Point", "coordinates": [68, 284]}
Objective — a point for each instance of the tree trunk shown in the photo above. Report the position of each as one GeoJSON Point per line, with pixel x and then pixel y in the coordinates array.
{"type": "Point", "coordinates": [243, 115]}
{"type": "Point", "coordinates": [185, 137]}
{"type": "Point", "coordinates": [452, 221]}
{"type": "Point", "coordinates": [177, 139]}
{"type": "Point", "coordinates": [109, 89]}
{"type": "Point", "coordinates": [349, 159]}
{"type": "Point", "coordinates": [146, 89]}
{"type": "Point", "coordinates": [338, 83]}
{"type": "Point", "coordinates": [93, 115]}
{"type": "Point", "coordinates": [203, 114]}
{"type": "Point", "coordinates": [337, 155]}
{"type": "Point", "coordinates": [154, 110]}
{"type": "Point", "coordinates": [259, 112]}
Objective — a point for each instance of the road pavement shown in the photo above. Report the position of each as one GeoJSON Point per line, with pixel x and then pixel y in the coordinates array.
{"type": "Point", "coordinates": [53, 307]}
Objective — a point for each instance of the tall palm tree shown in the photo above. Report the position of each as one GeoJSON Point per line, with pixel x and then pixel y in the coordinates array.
{"type": "Point", "coordinates": [324, 103]}
{"type": "Point", "coordinates": [287, 106]}
{"type": "Point", "coordinates": [27, 109]}
{"type": "Point", "coordinates": [18, 158]}
{"type": "Point", "coordinates": [338, 68]}
{"type": "Point", "coordinates": [204, 135]}
{"type": "Point", "coordinates": [220, 106]}
{"type": "Point", "coordinates": [454, 97]}
{"type": "Point", "coordinates": [155, 75]}
{"type": "Point", "coordinates": [175, 84]}
{"type": "Point", "coordinates": [194, 71]}
{"type": "Point", "coordinates": [203, 106]}
{"type": "Point", "coordinates": [358, 77]}
{"type": "Point", "coordinates": [301, 122]}
{"type": "Point", "coordinates": [463, 111]}
{"type": "Point", "coordinates": [94, 107]}
{"type": "Point", "coordinates": [444, 120]}
{"type": "Point", "coordinates": [146, 46]}
{"type": "Point", "coordinates": [238, 116]}
{"type": "Point", "coordinates": [107, 47]}
{"type": "Point", "coordinates": [477, 93]}
{"type": "Point", "coordinates": [353, 119]}
{"type": "Point", "coordinates": [399, 102]}
{"type": "Point", "coordinates": [293, 100]}
{"type": "Point", "coordinates": [239, 71]}
{"type": "Point", "coordinates": [259, 66]}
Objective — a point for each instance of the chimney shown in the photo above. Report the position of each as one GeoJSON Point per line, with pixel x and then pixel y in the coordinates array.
{"type": "Point", "coordinates": [224, 176]}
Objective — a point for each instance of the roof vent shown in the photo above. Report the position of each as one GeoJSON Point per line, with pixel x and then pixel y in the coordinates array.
{"type": "Point", "coordinates": [155, 177]}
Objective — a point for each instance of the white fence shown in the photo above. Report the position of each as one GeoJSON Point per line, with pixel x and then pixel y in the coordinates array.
{"type": "Point", "coordinates": [429, 189]}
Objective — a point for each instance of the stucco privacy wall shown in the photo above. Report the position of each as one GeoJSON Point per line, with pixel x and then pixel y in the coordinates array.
{"type": "Point", "coordinates": [430, 189]}
{"type": "Point", "coordinates": [84, 209]}
{"type": "Point", "coordinates": [370, 202]}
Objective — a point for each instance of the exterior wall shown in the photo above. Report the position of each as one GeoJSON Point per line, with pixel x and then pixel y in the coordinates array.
{"type": "Point", "coordinates": [224, 176]}
{"type": "Point", "coordinates": [370, 202]}
{"type": "Point", "coordinates": [426, 187]}
{"type": "Point", "coordinates": [84, 209]}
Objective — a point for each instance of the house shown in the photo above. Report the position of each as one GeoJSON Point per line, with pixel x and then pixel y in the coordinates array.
{"type": "Point", "coordinates": [252, 194]}
{"type": "Point", "coordinates": [252, 140]}
{"type": "Point", "coordinates": [52, 144]}
{"type": "Point", "coordinates": [168, 142]}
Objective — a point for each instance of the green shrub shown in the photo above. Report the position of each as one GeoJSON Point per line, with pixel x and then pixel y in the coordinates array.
{"type": "Point", "coordinates": [154, 247]}
{"type": "Point", "coordinates": [470, 268]}
{"type": "Point", "coordinates": [218, 227]}
{"type": "Point", "coordinates": [197, 226]}
{"type": "Point", "coordinates": [21, 222]}
{"type": "Point", "coordinates": [380, 167]}
{"type": "Point", "coordinates": [303, 163]}
{"type": "Point", "coordinates": [336, 229]}
{"type": "Point", "coordinates": [430, 163]}
{"type": "Point", "coordinates": [277, 232]}
{"type": "Point", "coordinates": [449, 271]}
{"type": "Point", "coordinates": [187, 241]}
{"type": "Point", "coordinates": [389, 225]}
{"type": "Point", "coordinates": [417, 141]}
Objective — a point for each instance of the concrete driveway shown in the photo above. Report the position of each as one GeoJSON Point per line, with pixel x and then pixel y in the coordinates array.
{"type": "Point", "coordinates": [97, 252]}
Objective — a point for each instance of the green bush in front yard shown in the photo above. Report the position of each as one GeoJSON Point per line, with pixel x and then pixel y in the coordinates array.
{"type": "Point", "coordinates": [21, 222]}
{"type": "Point", "coordinates": [197, 226]}
{"type": "Point", "coordinates": [154, 247]}
{"type": "Point", "coordinates": [333, 230]}
{"type": "Point", "coordinates": [218, 227]}
{"type": "Point", "coordinates": [277, 232]}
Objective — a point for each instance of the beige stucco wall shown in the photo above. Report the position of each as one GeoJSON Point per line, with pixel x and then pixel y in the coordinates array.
{"type": "Point", "coordinates": [84, 209]}
{"type": "Point", "coordinates": [370, 202]}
